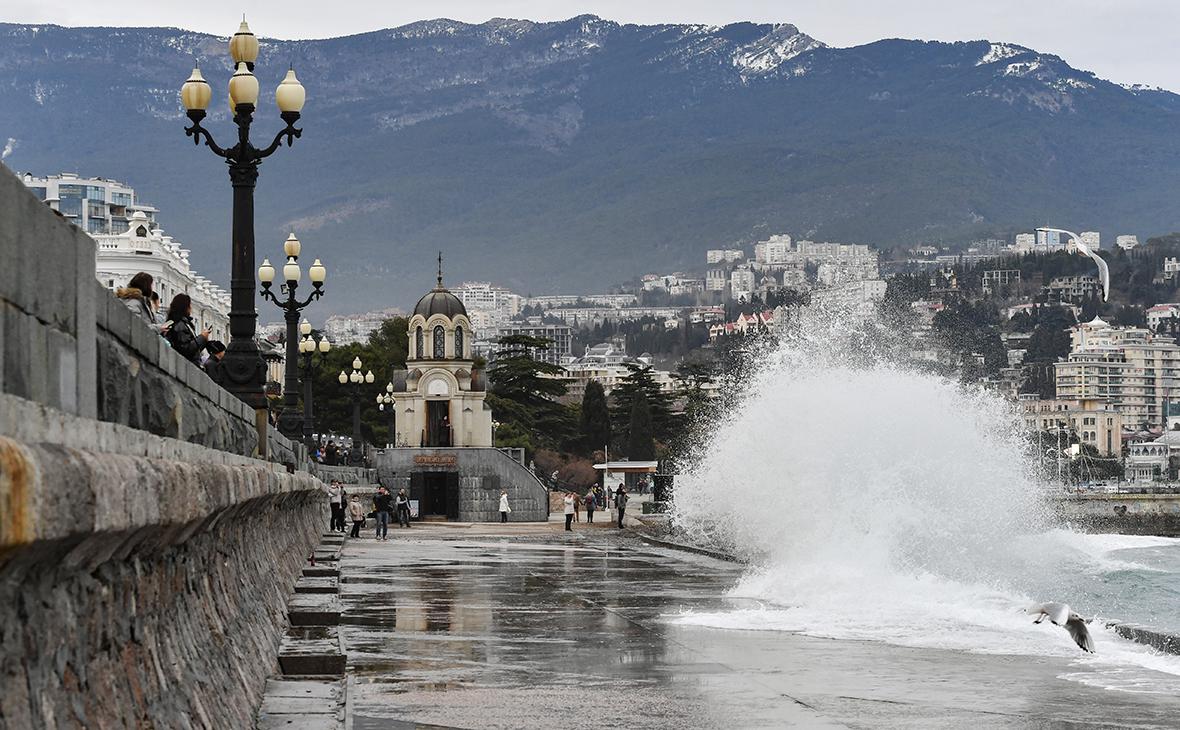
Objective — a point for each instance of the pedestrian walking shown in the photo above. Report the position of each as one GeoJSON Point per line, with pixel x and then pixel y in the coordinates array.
{"type": "Point", "coordinates": [336, 502]}
{"type": "Point", "coordinates": [590, 499]}
{"type": "Point", "coordinates": [383, 503]}
{"type": "Point", "coordinates": [621, 503]}
{"type": "Point", "coordinates": [356, 512]}
{"type": "Point", "coordinates": [569, 510]}
{"type": "Point", "coordinates": [504, 508]}
{"type": "Point", "coordinates": [403, 508]}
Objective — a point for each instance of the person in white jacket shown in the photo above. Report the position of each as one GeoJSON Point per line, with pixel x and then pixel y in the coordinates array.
{"type": "Point", "coordinates": [569, 510]}
{"type": "Point", "coordinates": [336, 502]}
{"type": "Point", "coordinates": [504, 508]}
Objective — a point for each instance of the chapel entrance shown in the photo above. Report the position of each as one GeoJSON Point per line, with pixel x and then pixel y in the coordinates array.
{"type": "Point", "coordinates": [437, 493]}
{"type": "Point", "coordinates": [438, 424]}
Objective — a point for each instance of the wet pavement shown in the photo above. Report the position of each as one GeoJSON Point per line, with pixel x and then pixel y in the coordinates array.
{"type": "Point", "coordinates": [491, 627]}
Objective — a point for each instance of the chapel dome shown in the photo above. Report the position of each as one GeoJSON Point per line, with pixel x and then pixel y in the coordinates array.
{"type": "Point", "coordinates": [440, 301]}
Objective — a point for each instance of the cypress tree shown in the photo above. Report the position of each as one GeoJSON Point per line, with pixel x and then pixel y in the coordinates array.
{"type": "Point", "coordinates": [595, 424]}
{"type": "Point", "coordinates": [640, 442]}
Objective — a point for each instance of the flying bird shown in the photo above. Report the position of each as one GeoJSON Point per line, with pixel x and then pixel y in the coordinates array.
{"type": "Point", "coordinates": [1059, 614]}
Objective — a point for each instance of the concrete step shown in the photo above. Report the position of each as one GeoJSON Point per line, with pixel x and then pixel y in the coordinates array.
{"type": "Point", "coordinates": [302, 705]}
{"type": "Point", "coordinates": [313, 609]}
{"type": "Point", "coordinates": [321, 571]}
{"type": "Point", "coordinates": [324, 584]}
{"type": "Point", "coordinates": [312, 651]}
{"type": "Point", "coordinates": [326, 554]}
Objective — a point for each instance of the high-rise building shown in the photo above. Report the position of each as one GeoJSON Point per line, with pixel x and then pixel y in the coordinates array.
{"type": "Point", "coordinates": [495, 304]}
{"type": "Point", "coordinates": [1131, 368]}
{"type": "Point", "coordinates": [741, 283]}
{"type": "Point", "coordinates": [1091, 239]}
{"type": "Point", "coordinates": [560, 338]}
{"type": "Point", "coordinates": [94, 204]}
{"type": "Point", "coordinates": [774, 250]}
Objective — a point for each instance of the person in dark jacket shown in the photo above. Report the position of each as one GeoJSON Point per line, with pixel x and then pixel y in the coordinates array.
{"type": "Point", "coordinates": [403, 508]}
{"type": "Point", "coordinates": [383, 504]}
{"type": "Point", "coordinates": [182, 332]}
{"type": "Point", "coordinates": [621, 502]}
{"type": "Point", "coordinates": [137, 296]}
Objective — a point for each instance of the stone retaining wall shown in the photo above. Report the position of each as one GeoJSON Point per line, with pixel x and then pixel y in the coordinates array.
{"type": "Point", "coordinates": [483, 473]}
{"type": "Point", "coordinates": [143, 580]}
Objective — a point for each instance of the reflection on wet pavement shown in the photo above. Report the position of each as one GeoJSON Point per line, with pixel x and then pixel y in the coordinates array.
{"type": "Point", "coordinates": [569, 632]}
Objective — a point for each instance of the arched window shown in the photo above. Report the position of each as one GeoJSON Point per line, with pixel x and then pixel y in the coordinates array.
{"type": "Point", "coordinates": [459, 342]}
{"type": "Point", "coordinates": [440, 342]}
{"type": "Point", "coordinates": [418, 346]}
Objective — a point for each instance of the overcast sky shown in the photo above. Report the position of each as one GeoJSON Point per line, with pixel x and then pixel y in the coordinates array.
{"type": "Point", "coordinates": [1129, 41]}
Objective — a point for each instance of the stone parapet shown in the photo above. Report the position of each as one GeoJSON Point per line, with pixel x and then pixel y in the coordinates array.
{"type": "Point", "coordinates": [67, 342]}
{"type": "Point", "coordinates": [143, 580]}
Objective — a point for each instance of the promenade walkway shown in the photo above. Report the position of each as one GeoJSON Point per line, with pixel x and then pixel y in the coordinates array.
{"type": "Point", "coordinates": [519, 626]}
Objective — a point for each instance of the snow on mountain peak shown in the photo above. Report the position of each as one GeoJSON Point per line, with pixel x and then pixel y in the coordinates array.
{"type": "Point", "coordinates": [1000, 52]}
{"type": "Point", "coordinates": [780, 45]}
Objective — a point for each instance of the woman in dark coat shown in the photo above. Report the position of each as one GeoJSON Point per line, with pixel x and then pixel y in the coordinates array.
{"type": "Point", "coordinates": [182, 333]}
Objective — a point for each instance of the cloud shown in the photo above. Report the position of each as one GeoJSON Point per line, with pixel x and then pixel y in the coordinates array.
{"type": "Point", "coordinates": [8, 148]}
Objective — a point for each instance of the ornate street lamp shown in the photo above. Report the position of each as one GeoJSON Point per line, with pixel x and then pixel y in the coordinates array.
{"type": "Point", "coordinates": [357, 379]}
{"type": "Point", "coordinates": [309, 345]}
{"type": "Point", "coordinates": [289, 420]}
{"type": "Point", "coordinates": [243, 371]}
{"type": "Point", "coordinates": [386, 399]}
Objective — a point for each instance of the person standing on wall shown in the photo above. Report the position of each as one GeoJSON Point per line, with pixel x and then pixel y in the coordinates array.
{"type": "Point", "coordinates": [336, 502]}
{"type": "Point", "coordinates": [621, 503]}
{"type": "Point", "coordinates": [403, 508]}
{"type": "Point", "coordinates": [356, 512]}
{"type": "Point", "coordinates": [569, 510]}
{"type": "Point", "coordinates": [384, 505]}
{"type": "Point", "coordinates": [504, 508]}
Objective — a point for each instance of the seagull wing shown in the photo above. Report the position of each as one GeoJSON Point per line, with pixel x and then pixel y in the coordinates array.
{"type": "Point", "coordinates": [1076, 626]}
{"type": "Point", "coordinates": [1103, 268]}
{"type": "Point", "coordinates": [1058, 613]}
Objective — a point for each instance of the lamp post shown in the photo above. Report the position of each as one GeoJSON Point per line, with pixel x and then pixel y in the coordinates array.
{"type": "Point", "coordinates": [243, 371]}
{"type": "Point", "coordinates": [386, 399]}
{"type": "Point", "coordinates": [309, 345]}
{"type": "Point", "coordinates": [357, 378]}
{"type": "Point", "coordinates": [289, 420]}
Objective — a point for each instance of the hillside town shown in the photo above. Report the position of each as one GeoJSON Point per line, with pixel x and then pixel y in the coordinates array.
{"type": "Point", "coordinates": [1094, 380]}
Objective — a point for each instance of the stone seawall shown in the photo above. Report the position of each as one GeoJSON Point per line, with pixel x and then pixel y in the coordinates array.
{"type": "Point", "coordinates": [1127, 514]}
{"type": "Point", "coordinates": [143, 580]}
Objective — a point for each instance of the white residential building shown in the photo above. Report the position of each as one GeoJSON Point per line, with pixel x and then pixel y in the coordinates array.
{"type": "Point", "coordinates": [741, 283]}
{"type": "Point", "coordinates": [346, 329]}
{"type": "Point", "coordinates": [774, 250]}
{"type": "Point", "coordinates": [1160, 313]}
{"type": "Point", "coordinates": [607, 365]}
{"type": "Point", "coordinates": [724, 255]}
{"type": "Point", "coordinates": [559, 336]}
{"type": "Point", "coordinates": [495, 304]}
{"type": "Point", "coordinates": [1126, 242]}
{"type": "Point", "coordinates": [1025, 243]}
{"type": "Point", "coordinates": [1091, 239]}
{"type": "Point", "coordinates": [1134, 370]}
{"type": "Point", "coordinates": [94, 204]}
{"type": "Point", "coordinates": [856, 299]}
{"type": "Point", "coordinates": [128, 240]}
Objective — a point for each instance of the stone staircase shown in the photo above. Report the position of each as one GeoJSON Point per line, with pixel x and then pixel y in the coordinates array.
{"type": "Point", "coordinates": [310, 691]}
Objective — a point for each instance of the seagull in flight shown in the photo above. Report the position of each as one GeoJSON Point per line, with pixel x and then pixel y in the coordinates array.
{"type": "Point", "coordinates": [1059, 614]}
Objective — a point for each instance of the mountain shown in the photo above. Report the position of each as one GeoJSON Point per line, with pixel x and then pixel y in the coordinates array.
{"type": "Point", "coordinates": [570, 155]}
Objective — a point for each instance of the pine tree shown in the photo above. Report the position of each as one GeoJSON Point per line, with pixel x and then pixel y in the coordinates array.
{"type": "Point", "coordinates": [641, 381]}
{"type": "Point", "coordinates": [523, 398]}
{"type": "Point", "coordinates": [595, 420]}
{"type": "Point", "coordinates": [640, 443]}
